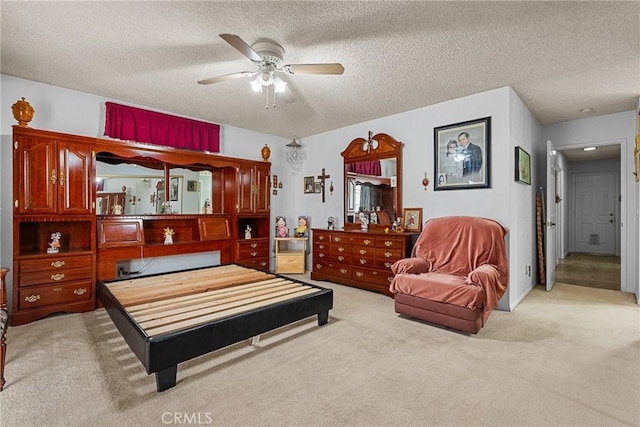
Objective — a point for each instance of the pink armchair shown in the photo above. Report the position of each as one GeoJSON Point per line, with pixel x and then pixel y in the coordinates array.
{"type": "Point", "coordinates": [457, 272]}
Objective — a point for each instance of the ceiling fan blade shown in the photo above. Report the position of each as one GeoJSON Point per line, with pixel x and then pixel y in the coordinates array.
{"type": "Point", "coordinates": [242, 47]}
{"type": "Point", "coordinates": [314, 68]}
{"type": "Point", "coordinates": [225, 77]}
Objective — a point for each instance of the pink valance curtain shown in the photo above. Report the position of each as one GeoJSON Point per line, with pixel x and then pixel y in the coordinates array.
{"type": "Point", "coordinates": [371, 168]}
{"type": "Point", "coordinates": [135, 124]}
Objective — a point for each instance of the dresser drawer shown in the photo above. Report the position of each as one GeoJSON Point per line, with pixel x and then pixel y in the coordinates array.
{"type": "Point", "coordinates": [53, 277]}
{"type": "Point", "coordinates": [390, 242]}
{"type": "Point", "coordinates": [257, 263]}
{"type": "Point", "coordinates": [55, 263]}
{"type": "Point", "coordinates": [259, 250]}
{"type": "Point", "coordinates": [321, 236]}
{"type": "Point", "coordinates": [38, 296]}
{"type": "Point", "coordinates": [363, 240]}
{"type": "Point", "coordinates": [372, 276]}
{"type": "Point", "coordinates": [333, 269]}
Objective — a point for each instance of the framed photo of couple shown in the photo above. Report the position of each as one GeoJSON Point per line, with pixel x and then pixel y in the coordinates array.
{"type": "Point", "coordinates": [462, 155]}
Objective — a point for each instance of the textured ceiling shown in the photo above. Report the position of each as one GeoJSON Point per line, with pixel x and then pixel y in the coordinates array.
{"type": "Point", "coordinates": [559, 57]}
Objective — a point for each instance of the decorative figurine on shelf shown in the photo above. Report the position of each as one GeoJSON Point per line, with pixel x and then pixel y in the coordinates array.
{"type": "Point", "coordinates": [117, 209]}
{"type": "Point", "coordinates": [364, 221]}
{"type": "Point", "coordinates": [247, 232]}
{"type": "Point", "coordinates": [167, 208]}
{"type": "Point", "coordinates": [207, 209]}
{"type": "Point", "coordinates": [303, 227]}
{"type": "Point", "coordinates": [54, 244]}
{"type": "Point", "coordinates": [281, 227]}
{"type": "Point", "coordinates": [168, 236]}
{"type": "Point", "coordinates": [330, 223]}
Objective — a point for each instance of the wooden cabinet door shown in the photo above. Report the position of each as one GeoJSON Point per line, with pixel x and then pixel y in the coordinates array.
{"type": "Point", "coordinates": [75, 178]}
{"type": "Point", "coordinates": [263, 188]}
{"type": "Point", "coordinates": [35, 175]}
{"type": "Point", "coordinates": [246, 189]}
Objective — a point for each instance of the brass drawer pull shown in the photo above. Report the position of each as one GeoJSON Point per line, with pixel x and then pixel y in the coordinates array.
{"type": "Point", "coordinates": [254, 245]}
{"type": "Point", "coordinates": [80, 291]}
{"type": "Point", "coordinates": [320, 237]}
{"type": "Point", "coordinates": [318, 266]}
{"type": "Point", "coordinates": [340, 258]}
{"type": "Point", "coordinates": [388, 254]}
{"type": "Point", "coordinates": [321, 255]}
{"type": "Point", "coordinates": [57, 264]}
{"type": "Point", "coordinates": [390, 279]}
{"type": "Point", "coordinates": [54, 178]}
{"type": "Point", "coordinates": [363, 261]}
{"type": "Point", "coordinates": [336, 239]}
{"type": "Point", "coordinates": [388, 243]}
{"type": "Point", "coordinates": [367, 242]}
{"type": "Point", "coordinates": [61, 181]}
{"type": "Point", "coordinates": [359, 273]}
{"type": "Point", "coordinates": [32, 298]}
{"type": "Point", "coordinates": [57, 289]}
{"type": "Point", "coordinates": [363, 251]}
{"type": "Point", "coordinates": [340, 249]}
{"type": "Point", "coordinates": [343, 270]}
{"type": "Point", "coordinates": [321, 246]}
{"type": "Point", "coordinates": [57, 277]}
{"type": "Point", "coordinates": [388, 264]}
{"type": "Point", "coordinates": [263, 263]}
{"type": "Point", "coordinates": [254, 253]}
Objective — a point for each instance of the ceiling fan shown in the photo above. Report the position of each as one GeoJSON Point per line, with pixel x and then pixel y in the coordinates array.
{"type": "Point", "coordinates": [268, 56]}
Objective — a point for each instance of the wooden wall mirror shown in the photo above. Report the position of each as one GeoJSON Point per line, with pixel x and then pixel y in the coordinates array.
{"type": "Point", "coordinates": [140, 186]}
{"type": "Point", "coordinates": [372, 181]}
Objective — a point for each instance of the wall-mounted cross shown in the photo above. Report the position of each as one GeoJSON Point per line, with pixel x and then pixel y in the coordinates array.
{"type": "Point", "coordinates": [322, 178]}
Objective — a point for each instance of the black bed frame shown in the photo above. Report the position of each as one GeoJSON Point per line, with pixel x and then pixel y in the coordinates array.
{"type": "Point", "coordinates": [161, 354]}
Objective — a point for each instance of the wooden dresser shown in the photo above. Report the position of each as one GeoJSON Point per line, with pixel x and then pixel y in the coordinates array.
{"type": "Point", "coordinates": [359, 258]}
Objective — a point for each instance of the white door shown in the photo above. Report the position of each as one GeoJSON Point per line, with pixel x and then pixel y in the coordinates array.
{"type": "Point", "coordinates": [550, 224]}
{"type": "Point", "coordinates": [595, 213]}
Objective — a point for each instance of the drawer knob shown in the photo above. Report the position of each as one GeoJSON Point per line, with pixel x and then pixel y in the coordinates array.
{"type": "Point", "coordinates": [57, 264]}
{"type": "Point", "coordinates": [80, 291]}
{"type": "Point", "coordinates": [32, 298]}
{"type": "Point", "coordinates": [57, 277]}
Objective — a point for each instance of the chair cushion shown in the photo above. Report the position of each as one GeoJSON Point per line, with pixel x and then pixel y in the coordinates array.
{"type": "Point", "coordinates": [4, 320]}
{"type": "Point", "coordinates": [440, 287]}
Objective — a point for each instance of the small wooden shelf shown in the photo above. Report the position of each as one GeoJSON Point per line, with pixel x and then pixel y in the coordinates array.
{"type": "Point", "coordinates": [290, 254]}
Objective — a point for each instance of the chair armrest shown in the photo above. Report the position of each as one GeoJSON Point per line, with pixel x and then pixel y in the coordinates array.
{"type": "Point", "coordinates": [411, 266]}
{"type": "Point", "coordinates": [483, 274]}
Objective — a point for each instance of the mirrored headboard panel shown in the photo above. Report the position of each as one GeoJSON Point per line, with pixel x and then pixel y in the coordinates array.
{"type": "Point", "coordinates": [373, 180]}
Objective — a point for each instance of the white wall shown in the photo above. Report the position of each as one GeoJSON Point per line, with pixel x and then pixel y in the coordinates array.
{"type": "Point", "coordinates": [619, 128]}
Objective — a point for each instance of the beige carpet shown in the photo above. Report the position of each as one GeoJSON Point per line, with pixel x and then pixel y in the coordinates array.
{"type": "Point", "coordinates": [565, 358]}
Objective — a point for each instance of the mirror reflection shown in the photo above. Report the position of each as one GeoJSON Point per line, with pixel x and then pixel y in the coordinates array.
{"type": "Point", "coordinates": [137, 187]}
{"type": "Point", "coordinates": [371, 188]}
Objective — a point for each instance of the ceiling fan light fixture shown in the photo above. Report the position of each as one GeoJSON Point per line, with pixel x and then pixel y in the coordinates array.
{"type": "Point", "coordinates": [279, 84]}
{"type": "Point", "coordinates": [256, 85]}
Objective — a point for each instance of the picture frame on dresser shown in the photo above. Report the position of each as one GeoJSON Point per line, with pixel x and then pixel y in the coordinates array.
{"type": "Point", "coordinates": [412, 219]}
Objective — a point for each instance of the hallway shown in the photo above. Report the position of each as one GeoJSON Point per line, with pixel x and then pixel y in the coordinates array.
{"type": "Point", "coordinates": [595, 271]}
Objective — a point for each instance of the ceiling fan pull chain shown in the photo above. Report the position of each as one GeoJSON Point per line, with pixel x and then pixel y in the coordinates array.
{"type": "Point", "coordinates": [274, 97]}
{"type": "Point", "coordinates": [266, 106]}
